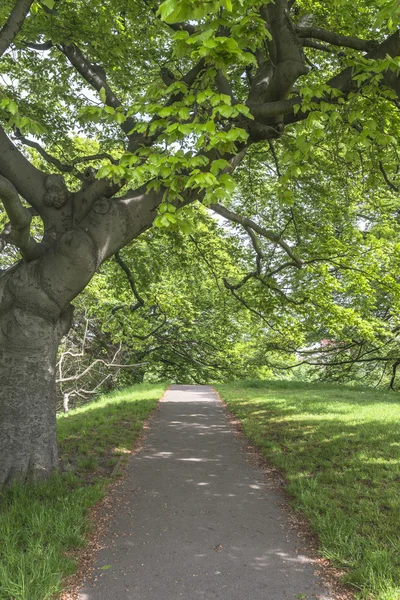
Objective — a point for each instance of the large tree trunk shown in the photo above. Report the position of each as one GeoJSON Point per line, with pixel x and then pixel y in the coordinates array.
{"type": "Point", "coordinates": [29, 337]}
{"type": "Point", "coordinates": [35, 313]}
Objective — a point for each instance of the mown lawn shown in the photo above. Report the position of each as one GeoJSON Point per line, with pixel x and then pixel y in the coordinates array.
{"type": "Point", "coordinates": [339, 448]}
{"type": "Point", "coordinates": [39, 524]}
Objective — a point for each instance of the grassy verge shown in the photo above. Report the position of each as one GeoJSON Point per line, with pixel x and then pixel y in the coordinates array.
{"type": "Point", "coordinates": [39, 524]}
{"type": "Point", "coordinates": [339, 448]}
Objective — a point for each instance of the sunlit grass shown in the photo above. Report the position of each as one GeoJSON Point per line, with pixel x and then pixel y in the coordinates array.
{"type": "Point", "coordinates": [40, 523]}
{"type": "Point", "coordinates": [339, 448]}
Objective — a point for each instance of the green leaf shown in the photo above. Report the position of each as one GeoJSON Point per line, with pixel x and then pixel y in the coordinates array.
{"type": "Point", "coordinates": [120, 117]}
{"type": "Point", "coordinates": [218, 165]}
{"type": "Point", "coordinates": [103, 95]}
{"type": "Point", "coordinates": [12, 107]}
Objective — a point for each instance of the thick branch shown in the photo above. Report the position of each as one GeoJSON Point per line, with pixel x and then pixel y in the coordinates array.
{"type": "Point", "coordinates": [14, 23]}
{"type": "Point", "coordinates": [287, 53]}
{"type": "Point", "coordinates": [345, 82]}
{"type": "Point", "coordinates": [183, 27]}
{"type": "Point", "coordinates": [110, 225]}
{"type": "Point", "coordinates": [336, 39]}
{"type": "Point", "coordinates": [17, 232]}
{"type": "Point", "coordinates": [248, 223]}
{"type": "Point", "coordinates": [90, 73]}
{"type": "Point", "coordinates": [96, 77]}
{"type": "Point", "coordinates": [41, 47]}
{"type": "Point", "coordinates": [29, 181]}
{"type": "Point", "coordinates": [307, 43]}
{"type": "Point", "coordinates": [91, 193]}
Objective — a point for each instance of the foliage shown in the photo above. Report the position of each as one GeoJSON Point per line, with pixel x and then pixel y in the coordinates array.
{"type": "Point", "coordinates": [338, 449]}
{"type": "Point", "coordinates": [182, 324]}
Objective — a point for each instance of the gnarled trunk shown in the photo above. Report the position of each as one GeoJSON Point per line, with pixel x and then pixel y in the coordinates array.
{"type": "Point", "coordinates": [28, 447]}
{"type": "Point", "coordinates": [29, 337]}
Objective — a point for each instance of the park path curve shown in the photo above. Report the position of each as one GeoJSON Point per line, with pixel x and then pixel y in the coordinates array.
{"type": "Point", "coordinates": [192, 519]}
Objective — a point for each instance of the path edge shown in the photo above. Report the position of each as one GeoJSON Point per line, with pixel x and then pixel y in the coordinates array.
{"type": "Point", "coordinates": [100, 516]}
{"type": "Point", "coordinates": [275, 479]}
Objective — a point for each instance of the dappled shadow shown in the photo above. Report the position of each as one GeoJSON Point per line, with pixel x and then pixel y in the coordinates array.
{"type": "Point", "coordinates": [342, 464]}
{"type": "Point", "coordinates": [194, 520]}
{"type": "Point", "coordinates": [92, 439]}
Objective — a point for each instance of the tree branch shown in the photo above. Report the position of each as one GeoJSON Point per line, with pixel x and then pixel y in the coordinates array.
{"type": "Point", "coordinates": [139, 300]}
{"type": "Point", "coordinates": [47, 157]}
{"type": "Point", "coordinates": [343, 81]}
{"type": "Point", "coordinates": [287, 58]}
{"type": "Point", "coordinates": [17, 232]}
{"type": "Point", "coordinates": [308, 43]}
{"type": "Point", "coordinates": [266, 233]}
{"type": "Point", "coordinates": [41, 47]}
{"type": "Point", "coordinates": [100, 156]}
{"type": "Point", "coordinates": [336, 39]}
{"type": "Point", "coordinates": [183, 27]}
{"type": "Point", "coordinates": [29, 181]}
{"type": "Point", "coordinates": [96, 77]}
{"type": "Point", "coordinates": [97, 361]}
{"type": "Point", "coordinates": [14, 23]}
{"type": "Point", "coordinates": [256, 246]}
{"type": "Point", "coordinates": [391, 185]}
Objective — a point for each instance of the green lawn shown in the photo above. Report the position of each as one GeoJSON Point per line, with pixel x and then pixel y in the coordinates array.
{"type": "Point", "coordinates": [40, 523]}
{"type": "Point", "coordinates": [339, 448]}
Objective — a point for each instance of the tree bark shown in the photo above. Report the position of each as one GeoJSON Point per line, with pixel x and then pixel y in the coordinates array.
{"type": "Point", "coordinates": [28, 448]}
{"type": "Point", "coordinates": [29, 337]}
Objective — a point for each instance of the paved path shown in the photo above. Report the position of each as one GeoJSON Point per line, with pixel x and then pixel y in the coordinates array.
{"type": "Point", "coordinates": [194, 520]}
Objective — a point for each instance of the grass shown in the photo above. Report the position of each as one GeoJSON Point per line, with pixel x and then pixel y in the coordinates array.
{"type": "Point", "coordinates": [339, 448]}
{"type": "Point", "coordinates": [40, 525]}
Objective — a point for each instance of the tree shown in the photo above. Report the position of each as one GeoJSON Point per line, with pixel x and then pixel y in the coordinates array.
{"type": "Point", "coordinates": [230, 76]}
{"type": "Point", "coordinates": [164, 299]}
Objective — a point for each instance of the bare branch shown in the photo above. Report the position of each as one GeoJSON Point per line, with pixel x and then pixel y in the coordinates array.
{"type": "Point", "coordinates": [41, 47]}
{"type": "Point", "coordinates": [256, 246]}
{"type": "Point", "coordinates": [275, 157]}
{"type": "Point", "coordinates": [132, 285]}
{"type": "Point", "coordinates": [96, 77]}
{"type": "Point", "coordinates": [95, 362]}
{"type": "Point", "coordinates": [391, 185]}
{"type": "Point", "coordinates": [14, 23]}
{"type": "Point", "coordinates": [152, 333]}
{"type": "Point", "coordinates": [47, 157]}
{"type": "Point", "coordinates": [248, 223]}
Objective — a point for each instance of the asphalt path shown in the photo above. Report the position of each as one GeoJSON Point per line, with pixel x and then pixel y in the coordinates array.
{"type": "Point", "coordinates": [194, 520]}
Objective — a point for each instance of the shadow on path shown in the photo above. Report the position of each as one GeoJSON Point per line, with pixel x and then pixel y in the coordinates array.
{"type": "Point", "coordinates": [194, 520]}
